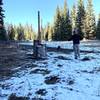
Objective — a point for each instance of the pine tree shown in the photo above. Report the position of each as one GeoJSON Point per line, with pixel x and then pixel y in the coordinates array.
{"type": "Point", "coordinates": [66, 23]}
{"type": "Point", "coordinates": [73, 16]}
{"type": "Point", "coordinates": [98, 29]}
{"type": "Point", "coordinates": [50, 32]}
{"type": "Point", "coordinates": [3, 35]}
{"type": "Point", "coordinates": [16, 33]}
{"type": "Point", "coordinates": [32, 33]}
{"type": "Point", "coordinates": [11, 32]}
{"type": "Point", "coordinates": [62, 24]}
{"type": "Point", "coordinates": [90, 21]}
{"type": "Point", "coordinates": [42, 32]}
{"type": "Point", "coordinates": [26, 32]}
{"type": "Point", "coordinates": [20, 31]}
{"type": "Point", "coordinates": [80, 17]}
{"type": "Point", "coordinates": [47, 32]}
{"type": "Point", "coordinates": [57, 25]}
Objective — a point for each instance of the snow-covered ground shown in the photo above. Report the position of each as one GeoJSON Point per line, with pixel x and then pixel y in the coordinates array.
{"type": "Point", "coordinates": [90, 45]}
{"type": "Point", "coordinates": [84, 45]}
{"type": "Point", "coordinates": [59, 77]}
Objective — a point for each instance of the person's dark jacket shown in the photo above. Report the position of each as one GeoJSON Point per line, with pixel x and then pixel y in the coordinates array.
{"type": "Point", "coordinates": [76, 38]}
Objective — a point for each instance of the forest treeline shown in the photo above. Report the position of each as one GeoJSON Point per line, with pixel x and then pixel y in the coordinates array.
{"type": "Point", "coordinates": [20, 32]}
{"type": "Point", "coordinates": [80, 16]}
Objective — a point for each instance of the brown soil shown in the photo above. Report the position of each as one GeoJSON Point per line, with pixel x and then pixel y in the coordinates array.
{"type": "Point", "coordinates": [11, 57]}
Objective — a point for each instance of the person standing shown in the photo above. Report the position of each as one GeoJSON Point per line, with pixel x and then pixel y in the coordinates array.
{"type": "Point", "coordinates": [76, 41]}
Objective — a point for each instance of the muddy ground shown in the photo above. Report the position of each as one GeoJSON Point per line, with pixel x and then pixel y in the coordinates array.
{"type": "Point", "coordinates": [11, 57]}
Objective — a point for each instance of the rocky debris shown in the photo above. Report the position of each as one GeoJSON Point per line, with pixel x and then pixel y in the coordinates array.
{"type": "Point", "coordinates": [59, 65]}
{"type": "Point", "coordinates": [14, 97]}
{"type": "Point", "coordinates": [52, 80]}
{"type": "Point", "coordinates": [41, 92]}
{"type": "Point", "coordinates": [70, 81]}
{"type": "Point", "coordinates": [36, 98]}
{"type": "Point", "coordinates": [63, 58]}
{"type": "Point", "coordinates": [40, 71]}
{"type": "Point", "coordinates": [86, 59]}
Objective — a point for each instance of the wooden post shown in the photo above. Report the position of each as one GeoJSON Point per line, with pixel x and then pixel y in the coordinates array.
{"type": "Point", "coordinates": [38, 41]}
{"type": "Point", "coordinates": [39, 32]}
{"type": "Point", "coordinates": [39, 48]}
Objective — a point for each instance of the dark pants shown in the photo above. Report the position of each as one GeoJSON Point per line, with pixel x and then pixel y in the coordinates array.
{"type": "Point", "coordinates": [76, 51]}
